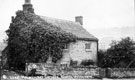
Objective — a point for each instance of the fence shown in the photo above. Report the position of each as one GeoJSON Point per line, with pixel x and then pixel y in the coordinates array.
{"type": "Point", "coordinates": [81, 71]}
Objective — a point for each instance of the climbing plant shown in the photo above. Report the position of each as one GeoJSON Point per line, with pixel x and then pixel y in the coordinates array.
{"type": "Point", "coordinates": [32, 39]}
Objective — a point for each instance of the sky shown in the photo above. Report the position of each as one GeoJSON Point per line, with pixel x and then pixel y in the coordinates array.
{"type": "Point", "coordinates": [106, 19]}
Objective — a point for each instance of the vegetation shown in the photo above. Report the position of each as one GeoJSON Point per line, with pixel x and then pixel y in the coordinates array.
{"type": "Point", "coordinates": [87, 62]}
{"type": "Point", "coordinates": [119, 55]}
{"type": "Point", "coordinates": [31, 39]}
{"type": "Point", "coordinates": [73, 63]}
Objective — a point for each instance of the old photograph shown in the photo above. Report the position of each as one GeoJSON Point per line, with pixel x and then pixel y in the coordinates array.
{"type": "Point", "coordinates": [67, 40]}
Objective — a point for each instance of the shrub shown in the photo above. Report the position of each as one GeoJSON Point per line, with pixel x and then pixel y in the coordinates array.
{"type": "Point", "coordinates": [87, 62]}
{"type": "Point", "coordinates": [73, 63]}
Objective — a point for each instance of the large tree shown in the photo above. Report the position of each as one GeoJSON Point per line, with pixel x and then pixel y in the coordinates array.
{"type": "Point", "coordinates": [120, 54]}
{"type": "Point", "coordinates": [31, 39]}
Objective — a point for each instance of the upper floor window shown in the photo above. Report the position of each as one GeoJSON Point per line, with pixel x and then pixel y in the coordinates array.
{"type": "Point", "coordinates": [87, 45]}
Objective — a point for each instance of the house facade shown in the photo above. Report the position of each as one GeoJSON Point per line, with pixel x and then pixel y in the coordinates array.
{"type": "Point", "coordinates": [79, 51]}
{"type": "Point", "coordinates": [86, 46]}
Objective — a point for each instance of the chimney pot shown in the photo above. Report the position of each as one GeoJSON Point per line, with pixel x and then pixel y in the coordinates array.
{"type": "Point", "coordinates": [79, 19]}
{"type": "Point", "coordinates": [27, 1]}
{"type": "Point", "coordinates": [28, 7]}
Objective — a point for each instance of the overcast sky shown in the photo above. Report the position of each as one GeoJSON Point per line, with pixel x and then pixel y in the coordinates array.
{"type": "Point", "coordinates": [97, 14]}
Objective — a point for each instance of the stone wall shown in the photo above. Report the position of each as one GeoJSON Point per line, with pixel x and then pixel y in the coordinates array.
{"type": "Point", "coordinates": [67, 72]}
{"type": "Point", "coordinates": [81, 72]}
{"type": "Point", "coordinates": [121, 72]}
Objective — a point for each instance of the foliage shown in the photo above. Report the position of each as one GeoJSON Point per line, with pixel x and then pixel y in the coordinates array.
{"type": "Point", "coordinates": [101, 57]}
{"type": "Point", "coordinates": [73, 63]}
{"type": "Point", "coordinates": [87, 62]}
{"type": "Point", "coordinates": [120, 54]}
{"type": "Point", "coordinates": [32, 39]}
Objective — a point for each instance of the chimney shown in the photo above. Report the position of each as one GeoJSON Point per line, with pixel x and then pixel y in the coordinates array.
{"type": "Point", "coordinates": [28, 7]}
{"type": "Point", "coordinates": [27, 1]}
{"type": "Point", "coordinates": [79, 19]}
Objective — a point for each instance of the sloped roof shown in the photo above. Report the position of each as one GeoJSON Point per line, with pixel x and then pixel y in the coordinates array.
{"type": "Point", "coordinates": [70, 26]}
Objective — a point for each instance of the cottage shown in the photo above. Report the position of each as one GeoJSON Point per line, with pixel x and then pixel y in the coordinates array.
{"type": "Point", "coordinates": [86, 46]}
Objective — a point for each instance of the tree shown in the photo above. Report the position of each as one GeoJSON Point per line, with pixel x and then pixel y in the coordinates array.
{"type": "Point", "coordinates": [120, 54]}
{"type": "Point", "coordinates": [31, 39]}
{"type": "Point", "coordinates": [101, 57]}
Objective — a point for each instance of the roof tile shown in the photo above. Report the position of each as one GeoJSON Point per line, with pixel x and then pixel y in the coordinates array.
{"type": "Point", "coordinates": [70, 26]}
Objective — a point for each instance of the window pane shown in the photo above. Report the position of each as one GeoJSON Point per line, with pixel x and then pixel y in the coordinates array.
{"type": "Point", "coordinates": [66, 46]}
{"type": "Point", "coordinates": [87, 45]}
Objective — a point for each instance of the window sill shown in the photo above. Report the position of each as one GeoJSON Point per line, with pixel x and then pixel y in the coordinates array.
{"type": "Point", "coordinates": [65, 49]}
{"type": "Point", "coordinates": [88, 50]}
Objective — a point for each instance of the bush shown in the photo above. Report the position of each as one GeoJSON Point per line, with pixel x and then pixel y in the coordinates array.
{"type": "Point", "coordinates": [87, 62]}
{"type": "Point", "coordinates": [73, 63]}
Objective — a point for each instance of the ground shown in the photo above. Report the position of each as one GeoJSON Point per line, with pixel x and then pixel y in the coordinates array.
{"type": "Point", "coordinates": [11, 75]}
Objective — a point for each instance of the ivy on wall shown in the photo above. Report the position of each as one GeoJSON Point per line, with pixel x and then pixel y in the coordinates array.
{"type": "Point", "coordinates": [31, 39]}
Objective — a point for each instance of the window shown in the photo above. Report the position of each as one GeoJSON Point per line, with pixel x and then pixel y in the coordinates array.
{"type": "Point", "coordinates": [87, 45]}
{"type": "Point", "coordinates": [66, 46]}
{"type": "Point", "coordinates": [63, 65]}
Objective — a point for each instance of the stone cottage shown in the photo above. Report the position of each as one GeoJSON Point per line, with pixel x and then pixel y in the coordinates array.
{"type": "Point", "coordinates": [86, 46]}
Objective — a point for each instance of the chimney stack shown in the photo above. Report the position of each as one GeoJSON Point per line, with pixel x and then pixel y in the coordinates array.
{"type": "Point", "coordinates": [28, 7]}
{"type": "Point", "coordinates": [79, 19]}
{"type": "Point", "coordinates": [27, 1]}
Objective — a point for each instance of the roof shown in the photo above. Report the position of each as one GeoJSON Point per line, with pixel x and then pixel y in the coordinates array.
{"type": "Point", "coordinates": [69, 26]}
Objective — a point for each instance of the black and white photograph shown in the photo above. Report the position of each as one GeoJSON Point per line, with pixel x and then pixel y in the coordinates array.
{"type": "Point", "coordinates": [67, 39]}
